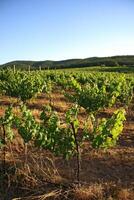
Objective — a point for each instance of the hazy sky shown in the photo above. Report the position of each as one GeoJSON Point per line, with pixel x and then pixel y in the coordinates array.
{"type": "Point", "coordinates": [62, 29]}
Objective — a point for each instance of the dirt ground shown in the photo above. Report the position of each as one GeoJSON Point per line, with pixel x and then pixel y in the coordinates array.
{"type": "Point", "coordinates": [105, 174]}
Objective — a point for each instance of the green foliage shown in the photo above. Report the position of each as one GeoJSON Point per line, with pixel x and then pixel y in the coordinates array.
{"type": "Point", "coordinates": [106, 134]}
{"type": "Point", "coordinates": [62, 139]}
{"type": "Point", "coordinates": [48, 133]}
{"type": "Point", "coordinates": [22, 85]}
{"type": "Point", "coordinates": [93, 98]}
{"type": "Point", "coordinates": [90, 91]}
{"type": "Point", "coordinates": [26, 124]}
{"type": "Point", "coordinates": [6, 123]}
{"type": "Point", "coordinates": [100, 91]}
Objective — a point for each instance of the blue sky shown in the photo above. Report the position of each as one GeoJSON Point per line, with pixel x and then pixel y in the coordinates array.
{"type": "Point", "coordinates": [64, 29]}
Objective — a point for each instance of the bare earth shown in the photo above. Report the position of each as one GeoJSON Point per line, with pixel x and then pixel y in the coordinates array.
{"type": "Point", "coordinates": [105, 174]}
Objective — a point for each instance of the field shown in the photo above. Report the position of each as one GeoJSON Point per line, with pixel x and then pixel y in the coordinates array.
{"type": "Point", "coordinates": [67, 134]}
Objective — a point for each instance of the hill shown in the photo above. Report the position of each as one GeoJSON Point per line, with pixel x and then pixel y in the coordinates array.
{"type": "Point", "coordinates": [73, 63]}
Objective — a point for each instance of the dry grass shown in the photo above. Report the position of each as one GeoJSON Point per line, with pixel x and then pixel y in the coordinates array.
{"type": "Point", "coordinates": [92, 192]}
{"type": "Point", "coordinates": [125, 194]}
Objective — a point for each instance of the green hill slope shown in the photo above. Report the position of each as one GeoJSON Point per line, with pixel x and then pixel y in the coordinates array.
{"type": "Point", "coordinates": [73, 63]}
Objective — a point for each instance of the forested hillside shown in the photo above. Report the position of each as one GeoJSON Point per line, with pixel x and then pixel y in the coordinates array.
{"type": "Point", "coordinates": [72, 63]}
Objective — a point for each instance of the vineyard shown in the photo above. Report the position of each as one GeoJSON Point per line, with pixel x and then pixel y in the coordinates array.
{"type": "Point", "coordinates": [66, 135]}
